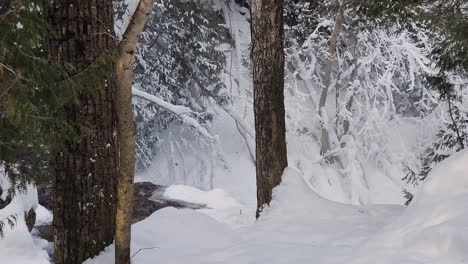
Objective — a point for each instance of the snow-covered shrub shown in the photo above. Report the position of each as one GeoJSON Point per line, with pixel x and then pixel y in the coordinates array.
{"type": "Point", "coordinates": [378, 83]}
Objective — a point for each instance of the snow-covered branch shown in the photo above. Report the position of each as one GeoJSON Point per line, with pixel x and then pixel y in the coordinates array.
{"type": "Point", "coordinates": [183, 112]}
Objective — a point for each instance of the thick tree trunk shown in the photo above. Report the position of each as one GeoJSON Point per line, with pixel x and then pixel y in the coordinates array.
{"type": "Point", "coordinates": [268, 81]}
{"type": "Point", "coordinates": [325, 140]}
{"type": "Point", "coordinates": [85, 169]}
{"type": "Point", "coordinates": [126, 129]}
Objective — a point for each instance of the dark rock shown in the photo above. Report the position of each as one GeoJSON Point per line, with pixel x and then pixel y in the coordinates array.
{"type": "Point", "coordinates": [44, 193]}
{"type": "Point", "coordinates": [45, 232]}
{"type": "Point", "coordinates": [147, 199]}
{"type": "Point", "coordinates": [142, 205]}
{"type": "Point", "coordinates": [7, 201]}
{"type": "Point", "coordinates": [30, 218]}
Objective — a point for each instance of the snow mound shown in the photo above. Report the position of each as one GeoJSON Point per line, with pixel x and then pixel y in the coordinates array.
{"type": "Point", "coordinates": [18, 245]}
{"type": "Point", "coordinates": [43, 216]}
{"type": "Point", "coordinates": [174, 236]}
{"type": "Point", "coordinates": [218, 204]}
{"type": "Point", "coordinates": [433, 229]}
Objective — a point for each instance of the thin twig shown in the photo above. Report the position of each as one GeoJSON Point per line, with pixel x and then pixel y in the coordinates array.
{"type": "Point", "coordinates": [7, 13]}
{"type": "Point", "coordinates": [8, 69]}
{"type": "Point", "coordinates": [141, 249]}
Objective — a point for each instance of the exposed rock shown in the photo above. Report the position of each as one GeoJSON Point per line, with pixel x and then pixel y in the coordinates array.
{"type": "Point", "coordinates": [142, 205]}
{"type": "Point", "coordinates": [45, 232]}
{"type": "Point", "coordinates": [147, 199]}
{"type": "Point", "coordinates": [44, 193]}
{"type": "Point", "coordinates": [30, 218]}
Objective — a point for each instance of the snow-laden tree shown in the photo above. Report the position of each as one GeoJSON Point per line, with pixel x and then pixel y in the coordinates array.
{"type": "Point", "coordinates": [376, 79]}
{"type": "Point", "coordinates": [180, 61]}
{"type": "Point", "coordinates": [447, 21]}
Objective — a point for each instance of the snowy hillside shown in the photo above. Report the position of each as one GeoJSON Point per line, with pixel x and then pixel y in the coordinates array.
{"type": "Point", "coordinates": [433, 228]}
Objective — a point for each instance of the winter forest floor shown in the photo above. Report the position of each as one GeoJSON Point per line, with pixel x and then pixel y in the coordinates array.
{"type": "Point", "coordinates": [290, 231]}
{"type": "Point", "coordinates": [301, 227]}
{"type": "Point", "coordinates": [298, 227]}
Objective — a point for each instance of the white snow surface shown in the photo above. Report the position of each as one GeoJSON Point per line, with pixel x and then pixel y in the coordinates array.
{"type": "Point", "coordinates": [302, 227]}
{"type": "Point", "coordinates": [434, 228]}
{"type": "Point", "coordinates": [214, 199]}
{"type": "Point", "coordinates": [18, 246]}
{"type": "Point", "coordinates": [43, 216]}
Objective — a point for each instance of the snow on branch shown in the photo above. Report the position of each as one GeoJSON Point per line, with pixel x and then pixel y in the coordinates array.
{"type": "Point", "coordinates": [183, 112]}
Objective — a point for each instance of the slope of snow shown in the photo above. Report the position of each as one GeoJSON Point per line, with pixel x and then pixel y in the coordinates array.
{"type": "Point", "coordinates": [299, 227]}
{"type": "Point", "coordinates": [174, 236]}
{"type": "Point", "coordinates": [302, 227]}
{"type": "Point", "coordinates": [434, 227]}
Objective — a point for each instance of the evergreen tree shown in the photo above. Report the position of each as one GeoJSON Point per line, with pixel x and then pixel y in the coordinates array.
{"type": "Point", "coordinates": [32, 95]}
{"type": "Point", "coordinates": [27, 98]}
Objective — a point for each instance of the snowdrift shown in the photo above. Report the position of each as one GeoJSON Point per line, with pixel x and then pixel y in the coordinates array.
{"type": "Point", "coordinates": [434, 228]}
{"type": "Point", "coordinates": [302, 227]}
{"type": "Point", "coordinates": [298, 227]}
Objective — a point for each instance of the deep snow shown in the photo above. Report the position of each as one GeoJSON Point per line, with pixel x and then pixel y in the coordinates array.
{"type": "Point", "coordinates": [298, 227]}
{"type": "Point", "coordinates": [302, 227]}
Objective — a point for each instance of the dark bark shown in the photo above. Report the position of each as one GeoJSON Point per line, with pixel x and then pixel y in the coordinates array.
{"type": "Point", "coordinates": [81, 32]}
{"type": "Point", "coordinates": [268, 81]}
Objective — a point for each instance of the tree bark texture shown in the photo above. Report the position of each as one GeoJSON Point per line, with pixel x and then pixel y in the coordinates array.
{"type": "Point", "coordinates": [325, 140]}
{"type": "Point", "coordinates": [85, 170]}
{"type": "Point", "coordinates": [126, 129]}
{"type": "Point", "coordinates": [268, 81]}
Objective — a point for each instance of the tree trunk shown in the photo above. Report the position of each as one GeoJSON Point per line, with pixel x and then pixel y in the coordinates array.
{"type": "Point", "coordinates": [268, 82]}
{"type": "Point", "coordinates": [85, 169]}
{"type": "Point", "coordinates": [126, 129]}
{"type": "Point", "coordinates": [325, 140]}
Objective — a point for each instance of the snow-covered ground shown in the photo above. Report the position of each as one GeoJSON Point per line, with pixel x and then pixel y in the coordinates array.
{"type": "Point", "coordinates": [18, 246]}
{"type": "Point", "coordinates": [434, 228]}
{"type": "Point", "coordinates": [302, 227]}
{"type": "Point", "coordinates": [298, 227]}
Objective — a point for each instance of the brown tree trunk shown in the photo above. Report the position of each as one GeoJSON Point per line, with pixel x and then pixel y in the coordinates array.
{"type": "Point", "coordinates": [325, 140]}
{"type": "Point", "coordinates": [126, 129]}
{"type": "Point", "coordinates": [85, 169]}
{"type": "Point", "coordinates": [268, 82]}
